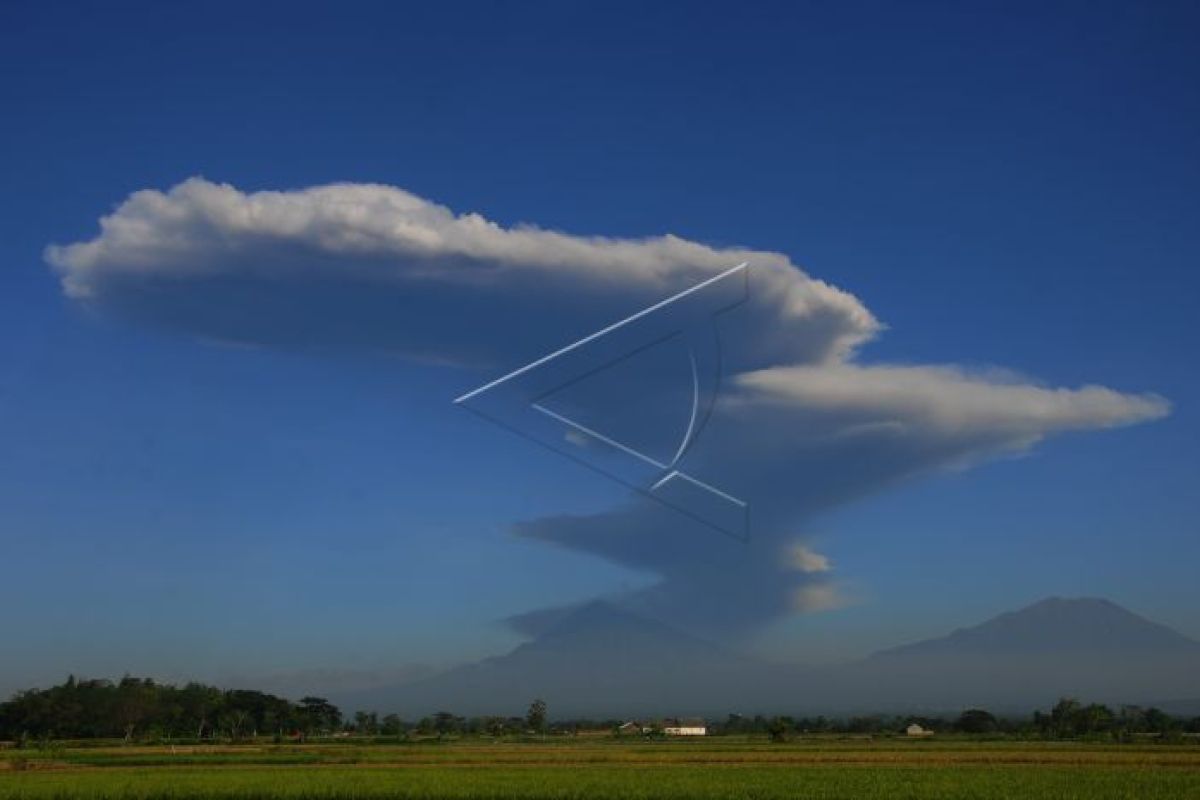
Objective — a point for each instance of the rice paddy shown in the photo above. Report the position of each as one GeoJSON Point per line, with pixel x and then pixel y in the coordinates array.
{"type": "Point", "coordinates": [604, 768]}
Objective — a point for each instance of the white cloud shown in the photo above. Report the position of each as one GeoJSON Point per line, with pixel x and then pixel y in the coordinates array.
{"type": "Point", "coordinates": [807, 561]}
{"type": "Point", "coordinates": [385, 239]}
{"type": "Point", "coordinates": [943, 401]}
{"type": "Point", "coordinates": [802, 427]}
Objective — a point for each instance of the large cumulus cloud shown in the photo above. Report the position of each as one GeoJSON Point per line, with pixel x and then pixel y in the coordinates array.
{"type": "Point", "coordinates": [802, 426]}
{"type": "Point", "coordinates": [369, 266]}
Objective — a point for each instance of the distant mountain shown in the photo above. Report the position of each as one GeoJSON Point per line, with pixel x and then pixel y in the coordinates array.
{"type": "Point", "coordinates": [1057, 626]}
{"type": "Point", "coordinates": [1085, 647]}
{"type": "Point", "coordinates": [598, 660]}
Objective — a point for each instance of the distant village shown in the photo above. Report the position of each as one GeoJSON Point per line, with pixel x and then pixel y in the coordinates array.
{"type": "Point", "coordinates": [687, 726]}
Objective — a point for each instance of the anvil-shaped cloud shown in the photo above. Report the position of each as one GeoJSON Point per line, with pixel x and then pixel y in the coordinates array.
{"type": "Point", "coordinates": [803, 425]}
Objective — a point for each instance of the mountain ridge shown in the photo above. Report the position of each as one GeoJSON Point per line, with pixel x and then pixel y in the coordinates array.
{"type": "Point", "coordinates": [1056, 624]}
{"type": "Point", "coordinates": [597, 659]}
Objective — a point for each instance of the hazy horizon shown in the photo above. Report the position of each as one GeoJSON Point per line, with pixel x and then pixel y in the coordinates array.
{"type": "Point", "coordinates": [791, 685]}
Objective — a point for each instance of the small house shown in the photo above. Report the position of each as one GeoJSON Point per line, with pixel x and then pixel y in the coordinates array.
{"type": "Point", "coordinates": [688, 726]}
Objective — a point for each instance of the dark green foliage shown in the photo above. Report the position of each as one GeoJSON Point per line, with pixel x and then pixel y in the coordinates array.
{"type": "Point", "coordinates": [780, 728]}
{"type": "Point", "coordinates": [446, 723]}
{"type": "Point", "coordinates": [1070, 719]}
{"type": "Point", "coordinates": [976, 720]}
{"type": "Point", "coordinates": [140, 708]}
{"type": "Point", "coordinates": [143, 710]}
{"type": "Point", "coordinates": [536, 716]}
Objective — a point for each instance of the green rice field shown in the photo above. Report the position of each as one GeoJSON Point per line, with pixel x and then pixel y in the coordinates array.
{"type": "Point", "coordinates": [605, 768]}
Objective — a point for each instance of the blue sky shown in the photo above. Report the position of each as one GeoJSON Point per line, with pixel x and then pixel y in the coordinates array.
{"type": "Point", "coordinates": [1001, 186]}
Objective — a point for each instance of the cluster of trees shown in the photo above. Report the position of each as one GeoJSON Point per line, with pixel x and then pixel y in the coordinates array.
{"type": "Point", "coordinates": [534, 721]}
{"type": "Point", "coordinates": [784, 727]}
{"type": "Point", "coordinates": [142, 709]}
{"type": "Point", "coordinates": [1069, 719]}
{"type": "Point", "coordinates": [139, 707]}
{"type": "Point", "coordinates": [974, 720]}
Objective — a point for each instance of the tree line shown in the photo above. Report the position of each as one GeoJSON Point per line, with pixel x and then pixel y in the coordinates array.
{"type": "Point", "coordinates": [1068, 719]}
{"type": "Point", "coordinates": [139, 708]}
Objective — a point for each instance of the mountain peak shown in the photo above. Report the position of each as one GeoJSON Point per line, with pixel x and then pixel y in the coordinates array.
{"type": "Point", "coordinates": [1058, 602]}
{"type": "Point", "coordinates": [1057, 625]}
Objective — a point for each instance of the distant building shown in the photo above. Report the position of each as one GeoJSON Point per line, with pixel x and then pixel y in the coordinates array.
{"type": "Point", "coordinates": [916, 731]}
{"type": "Point", "coordinates": [672, 726]}
{"type": "Point", "coordinates": [688, 726]}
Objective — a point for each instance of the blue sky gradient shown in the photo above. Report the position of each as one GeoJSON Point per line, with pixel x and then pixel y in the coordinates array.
{"type": "Point", "coordinates": [1003, 184]}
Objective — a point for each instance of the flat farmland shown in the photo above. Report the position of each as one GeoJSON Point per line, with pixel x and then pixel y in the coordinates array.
{"type": "Point", "coordinates": [611, 768]}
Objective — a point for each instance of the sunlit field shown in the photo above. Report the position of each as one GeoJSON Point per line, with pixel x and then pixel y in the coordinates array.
{"type": "Point", "coordinates": [718, 767]}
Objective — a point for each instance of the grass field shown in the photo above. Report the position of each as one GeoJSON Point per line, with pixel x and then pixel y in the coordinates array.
{"type": "Point", "coordinates": [713, 768]}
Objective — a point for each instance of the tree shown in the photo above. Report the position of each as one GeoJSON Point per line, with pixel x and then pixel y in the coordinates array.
{"type": "Point", "coordinates": [1064, 716]}
{"type": "Point", "coordinates": [1157, 721]}
{"type": "Point", "coordinates": [318, 714]}
{"type": "Point", "coordinates": [366, 723]}
{"type": "Point", "coordinates": [198, 703]}
{"type": "Point", "coordinates": [235, 719]}
{"type": "Point", "coordinates": [139, 707]}
{"type": "Point", "coordinates": [135, 703]}
{"type": "Point", "coordinates": [535, 718]}
{"type": "Point", "coordinates": [779, 728]}
{"type": "Point", "coordinates": [1094, 718]}
{"type": "Point", "coordinates": [392, 725]}
{"type": "Point", "coordinates": [977, 720]}
{"type": "Point", "coordinates": [445, 722]}
{"type": "Point", "coordinates": [1071, 718]}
